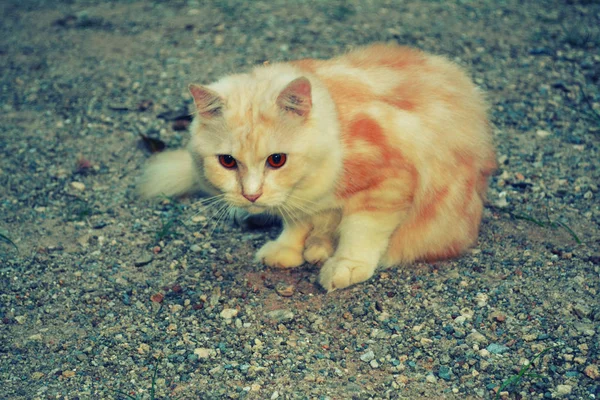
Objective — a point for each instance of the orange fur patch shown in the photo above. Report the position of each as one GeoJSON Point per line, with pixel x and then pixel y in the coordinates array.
{"type": "Point", "coordinates": [370, 160]}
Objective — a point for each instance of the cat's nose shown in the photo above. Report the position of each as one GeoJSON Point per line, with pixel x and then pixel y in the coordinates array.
{"type": "Point", "coordinates": [252, 197]}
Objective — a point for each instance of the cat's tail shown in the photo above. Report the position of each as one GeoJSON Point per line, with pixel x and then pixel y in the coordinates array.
{"type": "Point", "coordinates": [172, 173]}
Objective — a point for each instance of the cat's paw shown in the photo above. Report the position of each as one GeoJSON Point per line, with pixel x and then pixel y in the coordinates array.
{"type": "Point", "coordinates": [339, 273]}
{"type": "Point", "coordinates": [275, 254]}
{"type": "Point", "coordinates": [318, 250]}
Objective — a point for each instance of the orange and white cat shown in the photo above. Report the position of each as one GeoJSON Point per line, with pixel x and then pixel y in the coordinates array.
{"type": "Point", "coordinates": [378, 157]}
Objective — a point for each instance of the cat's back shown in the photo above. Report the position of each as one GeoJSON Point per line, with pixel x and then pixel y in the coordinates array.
{"type": "Point", "coordinates": [401, 77]}
{"type": "Point", "coordinates": [419, 99]}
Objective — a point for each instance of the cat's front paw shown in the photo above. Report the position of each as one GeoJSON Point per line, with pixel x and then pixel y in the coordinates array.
{"type": "Point", "coordinates": [318, 250]}
{"type": "Point", "coordinates": [339, 273]}
{"type": "Point", "coordinates": [276, 254]}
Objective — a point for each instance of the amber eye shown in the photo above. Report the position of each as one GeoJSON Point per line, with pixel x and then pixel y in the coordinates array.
{"type": "Point", "coordinates": [276, 160]}
{"type": "Point", "coordinates": [227, 161]}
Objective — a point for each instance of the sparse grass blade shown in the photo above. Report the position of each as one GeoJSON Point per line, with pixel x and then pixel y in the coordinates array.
{"type": "Point", "coordinates": [568, 229]}
{"type": "Point", "coordinates": [527, 218]}
{"type": "Point", "coordinates": [524, 372]}
{"type": "Point", "coordinates": [552, 224]}
{"type": "Point", "coordinates": [4, 238]}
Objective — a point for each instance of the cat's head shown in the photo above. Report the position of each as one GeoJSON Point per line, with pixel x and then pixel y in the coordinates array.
{"type": "Point", "coordinates": [264, 142]}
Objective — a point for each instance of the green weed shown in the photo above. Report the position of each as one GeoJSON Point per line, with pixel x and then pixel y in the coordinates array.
{"type": "Point", "coordinates": [523, 373]}
{"type": "Point", "coordinates": [548, 224]}
{"type": "Point", "coordinates": [4, 238]}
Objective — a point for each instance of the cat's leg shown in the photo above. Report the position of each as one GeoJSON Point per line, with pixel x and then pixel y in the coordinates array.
{"type": "Point", "coordinates": [364, 237]}
{"type": "Point", "coordinates": [320, 244]}
{"type": "Point", "coordinates": [286, 250]}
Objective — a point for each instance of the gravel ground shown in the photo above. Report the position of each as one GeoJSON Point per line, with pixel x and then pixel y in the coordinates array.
{"type": "Point", "coordinates": [106, 289]}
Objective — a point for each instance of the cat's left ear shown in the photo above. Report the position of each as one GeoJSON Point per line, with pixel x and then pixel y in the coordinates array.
{"type": "Point", "coordinates": [208, 103]}
{"type": "Point", "coordinates": [296, 97]}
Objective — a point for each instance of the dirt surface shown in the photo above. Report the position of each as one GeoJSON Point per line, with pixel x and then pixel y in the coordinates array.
{"type": "Point", "coordinates": [101, 290]}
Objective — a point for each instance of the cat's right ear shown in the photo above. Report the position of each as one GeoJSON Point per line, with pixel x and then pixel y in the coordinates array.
{"type": "Point", "coordinates": [296, 97]}
{"type": "Point", "coordinates": [208, 103]}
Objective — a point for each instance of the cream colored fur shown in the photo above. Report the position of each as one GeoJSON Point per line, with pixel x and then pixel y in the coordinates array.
{"type": "Point", "coordinates": [347, 201]}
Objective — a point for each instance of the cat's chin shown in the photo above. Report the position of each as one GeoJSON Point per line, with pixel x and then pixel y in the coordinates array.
{"type": "Point", "coordinates": [255, 209]}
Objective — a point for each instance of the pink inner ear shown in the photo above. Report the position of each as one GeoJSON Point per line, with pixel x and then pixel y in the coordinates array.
{"type": "Point", "coordinates": [208, 103]}
{"type": "Point", "coordinates": [296, 97]}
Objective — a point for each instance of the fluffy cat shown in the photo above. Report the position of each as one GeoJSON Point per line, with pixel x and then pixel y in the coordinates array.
{"type": "Point", "coordinates": [378, 157]}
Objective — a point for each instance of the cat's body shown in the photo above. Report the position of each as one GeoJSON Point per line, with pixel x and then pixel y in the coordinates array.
{"type": "Point", "coordinates": [377, 157]}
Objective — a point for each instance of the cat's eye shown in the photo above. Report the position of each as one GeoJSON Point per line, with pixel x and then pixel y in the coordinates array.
{"type": "Point", "coordinates": [227, 161]}
{"type": "Point", "coordinates": [276, 160]}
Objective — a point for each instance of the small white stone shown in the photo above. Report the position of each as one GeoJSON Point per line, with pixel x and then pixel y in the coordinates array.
{"type": "Point", "coordinates": [229, 313]}
{"type": "Point", "coordinates": [21, 319]}
{"type": "Point", "coordinates": [368, 356]}
{"type": "Point", "coordinates": [481, 299]}
{"type": "Point", "coordinates": [202, 352]}
{"type": "Point", "coordinates": [476, 337]}
{"type": "Point", "coordinates": [78, 186]}
{"type": "Point", "coordinates": [431, 378]}
{"type": "Point", "coordinates": [542, 133]}
{"type": "Point", "coordinates": [563, 390]}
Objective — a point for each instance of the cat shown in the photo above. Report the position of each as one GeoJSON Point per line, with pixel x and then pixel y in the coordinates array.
{"type": "Point", "coordinates": [377, 157]}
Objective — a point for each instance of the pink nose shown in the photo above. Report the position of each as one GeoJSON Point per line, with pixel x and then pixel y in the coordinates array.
{"type": "Point", "coordinates": [252, 197]}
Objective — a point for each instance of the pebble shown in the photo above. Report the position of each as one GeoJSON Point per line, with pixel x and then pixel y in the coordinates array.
{"type": "Point", "coordinates": [498, 316]}
{"type": "Point", "coordinates": [68, 374]}
{"type": "Point", "coordinates": [368, 356]}
{"type": "Point", "coordinates": [481, 299]}
{"type": "Point", "coordinates": [157, 297]}
{"type": "Point", "coordinates": [586, 329]}
{"type": "Point", "coordinates": [476, 337]}
{"type": "Point", "coordinates": [496, 348]}
{"type": "Point", "coordinates": [542, 133]}
{"type": "Point", "coordinates": [445, 372]}
{"type": "Point", "coordinates": [195, 248]}
{"type": "Point", "coordinates": [203, 352]}
{"type": "Point", "coordinates": [284, 289]}
{"type": "Point", "coordinates": [591, 371]}
{"type": "Point", "coordinates": [280, 315]}
{"type": "Point", "coordinates": [78, 186]}
{"type": "Point", "coordinates": [374, 364]}
{"type": "Point", "coordinates": [431, 378]}
{"type": "Point", "coordinates": [562, 390]}
{"type": "Point", "coordinates": [144, 259]}
{"type": "Point", "coordinates": [530, 337]}
{"type": "Point", "coordinates": [21, 319]}
{"type": "Point", "coordinates": [229, 313]}
{"type": "Point", "coordinates": [37, 375]}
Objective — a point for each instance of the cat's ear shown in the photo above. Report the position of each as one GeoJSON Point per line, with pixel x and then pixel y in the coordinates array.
{"type": "Point", "coordinates": [208, 103]}
{"type": "Point", "coordinates": [296, 97]}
